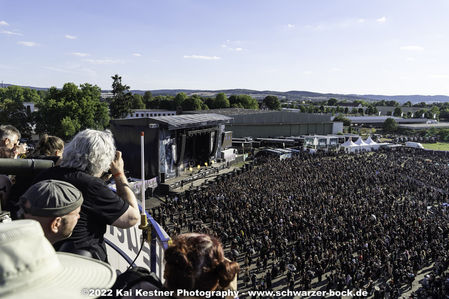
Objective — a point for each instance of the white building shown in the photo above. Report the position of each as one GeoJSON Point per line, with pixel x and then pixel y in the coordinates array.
{"type": "Point", "coordinates": [31, 106]}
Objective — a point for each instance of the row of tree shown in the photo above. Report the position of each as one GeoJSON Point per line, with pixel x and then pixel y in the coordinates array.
{"type": "Point", "coordinates": [123, 101]}
{"type": "Point", "coordinates": [389, 103]}
{"type": "Point", "coordinates": [63, 112]}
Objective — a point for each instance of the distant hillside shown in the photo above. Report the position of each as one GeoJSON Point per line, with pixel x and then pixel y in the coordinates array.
{"type": "Point", "coordinates": [291, 95]}
{"type": "Point", "coordinates": [32, 87]}
{"type": "Point", "coordinates": [411, 98]}
{"type": "Point", "coordinates": [304, 95]}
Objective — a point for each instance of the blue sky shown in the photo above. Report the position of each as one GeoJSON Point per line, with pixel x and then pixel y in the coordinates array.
{"type": "Point", "coordinates": [340, 46]}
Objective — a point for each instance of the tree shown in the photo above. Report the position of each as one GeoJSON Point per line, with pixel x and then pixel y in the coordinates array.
{"type": "Point", "coordinates": [71, 109]}
{"type": "Point", "coordinates": [346, 121]}
{"type": "Point", "coordinates": [147, 98]}
{"type": "Point", "coordinates": [392, 103]}
{"type": "Point", "coordinates": [434, 112]}
{"type": "Point", "coordinates": [380, 103]}
{"type": "Point", "coordinates": [421, 104]}
{"type": "Point", "coordinates": [397, 111]}
{"type": "Point", "coordinates": [332, 102]}
{"type": "Point", "coordinates": [121, 101]}
{"type": "Point", "coordinates": [444, 113]}
{"type": "Point", "coordinates": [167, 103]}
{"type": "Point", "coordinates": [371, 109]}
{"type": "Point", "coordinates": [407, 104]}
{"type": "Point", "coordinates": [390, 125]}
{"type": "Point", "coordinates": [221, 101]}
{"type": "Point", "coordinates": [321, 108]}
{"type": "Point", "coordinates": [192, 103]}
{"type": "Point", "coordinates": [272, 102]}
{"type": "Point", "coordinates": [243, 101]}
{"type": "Point", "coordinates": [179, 99]}
{"type": "Point", "coordinates": [137, 102]}
{"type": "Point", "coordinates": [13, 110]}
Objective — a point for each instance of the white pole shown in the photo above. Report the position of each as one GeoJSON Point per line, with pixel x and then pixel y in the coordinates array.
{"type": "Point", "coordinates": [142, 164]}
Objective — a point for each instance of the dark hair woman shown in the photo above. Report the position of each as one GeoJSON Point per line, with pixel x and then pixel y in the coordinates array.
{"type": "Point", "coordinates": [196, 262]}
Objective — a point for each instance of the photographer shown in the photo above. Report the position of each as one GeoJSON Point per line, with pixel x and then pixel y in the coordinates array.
{"type": "Point", "coordinates": [86, 158]}
{"type": "Point", "coordinates": [10, 146]}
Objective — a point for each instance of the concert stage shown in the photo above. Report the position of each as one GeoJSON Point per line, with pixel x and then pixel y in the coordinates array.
{"type": "Point", "coordinates": [173, 144]}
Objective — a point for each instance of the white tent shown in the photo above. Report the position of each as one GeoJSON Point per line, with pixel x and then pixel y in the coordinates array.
{"type": "Point", "coordinates": [370, 141]}
{"type": "Point", "coordinates": [373, 144]}
{"type": "Point", "coordinates": [362, 145]}
{"type": "Point", "coordinates": [360, 142]}
{"type": "Point", "coordinates": [350, 146]}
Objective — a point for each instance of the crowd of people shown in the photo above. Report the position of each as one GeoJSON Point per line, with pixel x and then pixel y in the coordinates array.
{"type": "Point", "coordinates": [369, 221]}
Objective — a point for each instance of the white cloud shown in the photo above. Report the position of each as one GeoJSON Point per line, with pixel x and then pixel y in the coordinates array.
{"type": "Point", "coordinates": [80, 54]}
{"type": "Point", "coordinates": [307, 72]}
{"type": "Point", "coordinates": [361, 20]}
{"type": "Point", "coordinates": [7, 32]}
{"type": "Point", "coordinates": [137, 54]}
{"type": "Point", "coordinates": [3, 23]}
{"type": "Point", "coordinates": [56, 69]}
{"type": "Point", "coordinates": [227, 46]}
{"type": "Point", "coordinates": [439, 76]}
{"type": "Point", "coordinates": [71, 69]}
{"type": "Point", "coordinates": [68, 36]}
{"type": "Point", "coordinates": [202, 57]}
{"type": "Point", "coordinates": [27, 44]}
{"type": "Point", "coordinates": [290, 26]}
{"type": "Point", "coordinates": [319, 27]}
{"type": "Point", "coordinates": [412, 48]}
{"type": "Point", "coordinates": [335, 69]}
{"type": "Point", "coordinates": [381, 20]}
{"type": "Point", "coordinates": [105, 61]}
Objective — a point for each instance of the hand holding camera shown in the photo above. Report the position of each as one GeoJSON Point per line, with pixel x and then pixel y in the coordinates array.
{"type": "Point", "coordinates": [117, 165]}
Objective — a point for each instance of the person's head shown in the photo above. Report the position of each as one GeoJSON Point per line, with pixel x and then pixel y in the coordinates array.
{"type": "Point", "coordinates": [30, 267]}
{"type": "Point", "coordinates": [55, 205]}
{"type": "Point", "coordinates": [50, 146]}
{"type": "Point", "coordinates": [9, 136]}
{"type": "Point", "coordinates": [197, 262]}
{"type": "Point", "coordinates": [9, 141]}
{"type": "Point", "coordinates": [91, 151]}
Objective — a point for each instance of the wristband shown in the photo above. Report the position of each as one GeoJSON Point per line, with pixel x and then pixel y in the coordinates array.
{"type": "Point", "coordinates": [117, 174]}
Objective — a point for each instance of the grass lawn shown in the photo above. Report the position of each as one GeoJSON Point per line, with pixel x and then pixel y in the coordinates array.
{"type": "Point", "coordinates": [439, 146]}
{"type": "Point", "coordinates": [385, 139]}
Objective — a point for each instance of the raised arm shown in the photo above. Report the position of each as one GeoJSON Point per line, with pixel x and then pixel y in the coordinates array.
{"type": "Point", "coordinates": [132, 214]}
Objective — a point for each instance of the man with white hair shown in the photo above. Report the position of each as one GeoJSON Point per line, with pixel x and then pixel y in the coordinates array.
{"type": "Point", "coordinates": [87, 157]}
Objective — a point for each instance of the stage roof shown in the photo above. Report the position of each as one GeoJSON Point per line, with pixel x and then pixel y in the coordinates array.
{"type": "Point", "coordinates": [175, 122]}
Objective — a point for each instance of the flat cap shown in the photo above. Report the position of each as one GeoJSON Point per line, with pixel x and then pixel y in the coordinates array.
{"type": "Point", "coordinates": [51, 198]}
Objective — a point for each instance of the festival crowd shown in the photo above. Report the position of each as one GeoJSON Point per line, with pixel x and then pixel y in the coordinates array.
{"type": "Point", "coordinates": [330, 221]}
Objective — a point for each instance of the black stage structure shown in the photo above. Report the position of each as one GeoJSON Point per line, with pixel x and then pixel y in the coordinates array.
{"type": "Point", "coordinates": [172, 143]}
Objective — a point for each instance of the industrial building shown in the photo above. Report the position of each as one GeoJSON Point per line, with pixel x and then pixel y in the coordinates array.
{"type": "Point", "coordinates": [268, 123]}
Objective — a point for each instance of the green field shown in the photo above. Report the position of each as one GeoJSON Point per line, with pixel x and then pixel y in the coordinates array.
{"type": "Point", "coordinates": [439, 146]}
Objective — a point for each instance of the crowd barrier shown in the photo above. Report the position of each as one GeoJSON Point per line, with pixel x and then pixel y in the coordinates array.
{"type": "Point", "coordinates": [123, 246]}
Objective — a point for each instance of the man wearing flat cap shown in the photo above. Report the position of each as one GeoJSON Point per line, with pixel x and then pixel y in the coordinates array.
{"type": "Point", "coordinates": [55, 205]}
